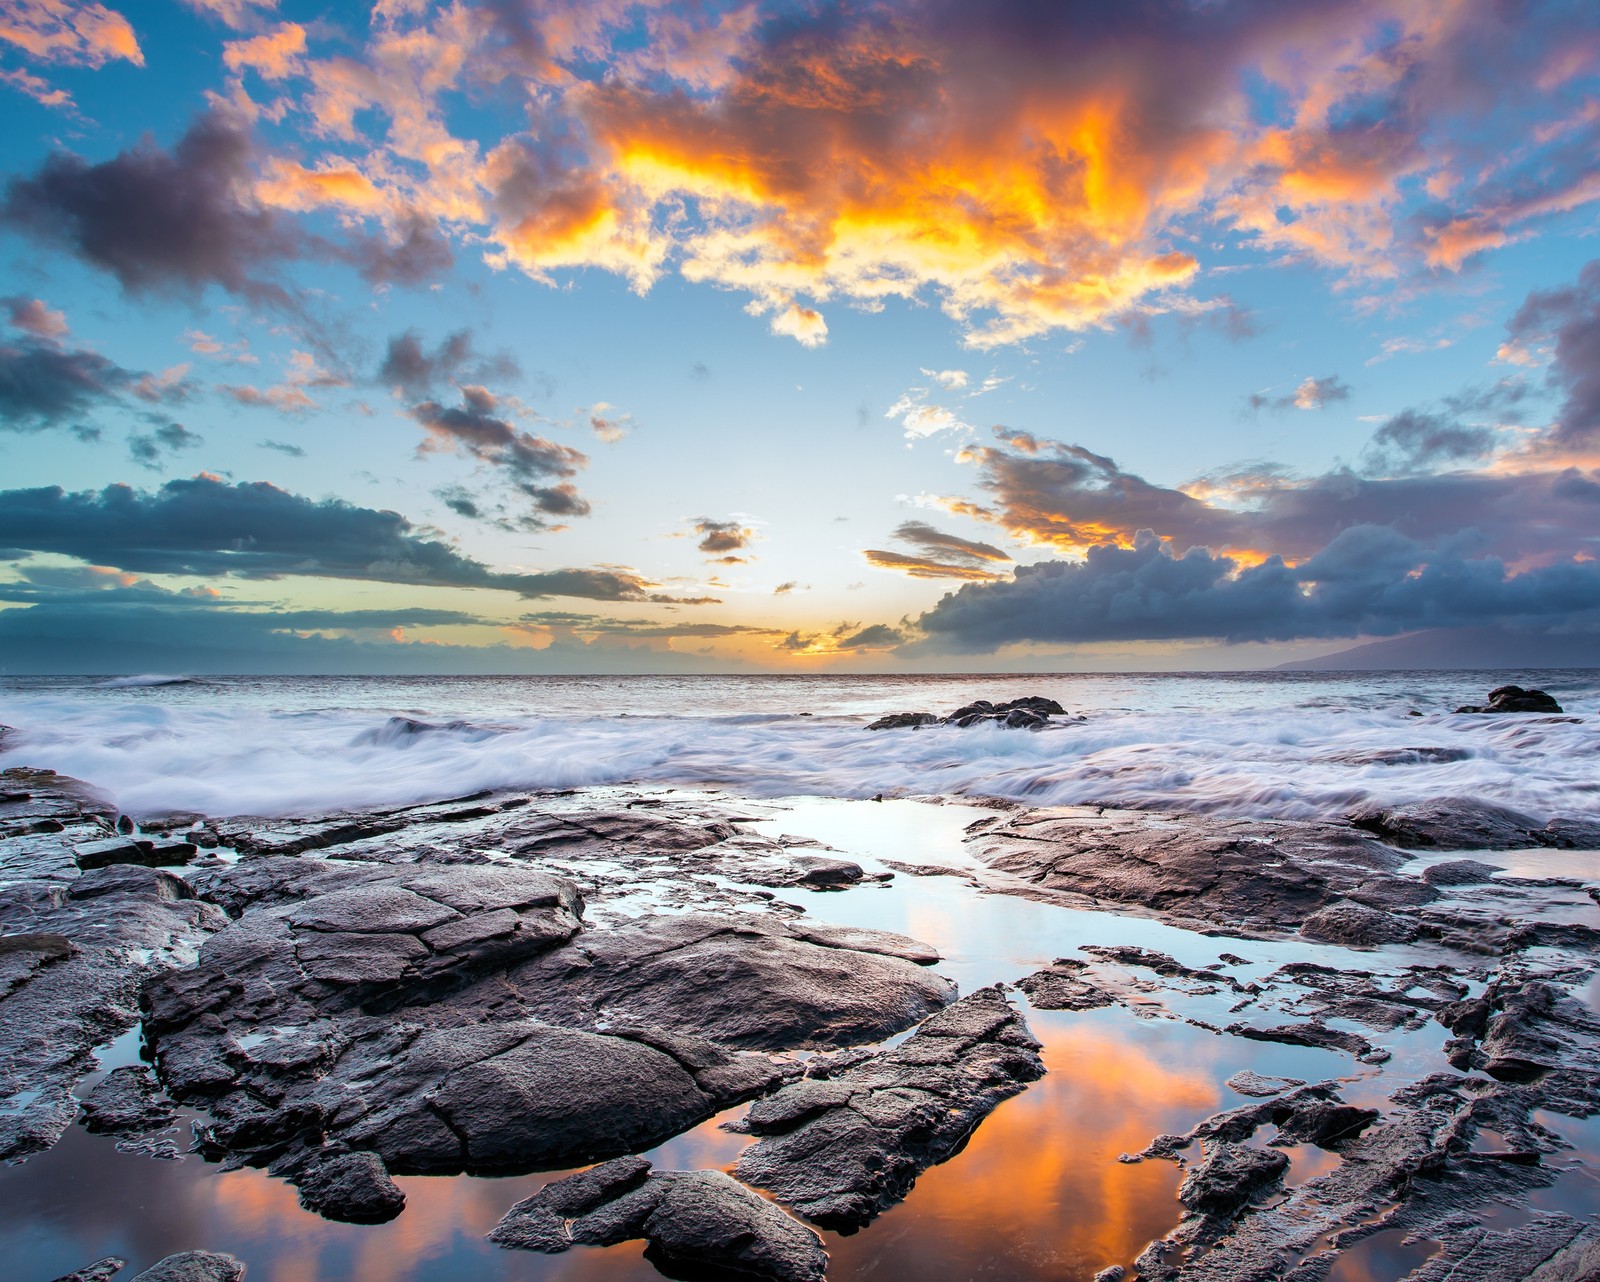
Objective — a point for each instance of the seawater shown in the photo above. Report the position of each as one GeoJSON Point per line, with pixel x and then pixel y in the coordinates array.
{"type": "Point", "coordinates": [1260, 745]}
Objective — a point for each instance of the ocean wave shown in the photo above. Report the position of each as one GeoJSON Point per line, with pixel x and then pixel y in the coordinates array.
{"type": "Point", "coordinates": [148, 680]}
{"type": "Point", "coordinates": [1286, 763]}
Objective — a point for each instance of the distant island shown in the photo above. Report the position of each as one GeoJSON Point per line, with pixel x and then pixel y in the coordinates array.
{"type": "Point", "coordinates": [1465, 648]}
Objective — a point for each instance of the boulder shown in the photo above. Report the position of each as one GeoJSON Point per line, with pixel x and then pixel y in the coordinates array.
{"type": "Point", "coordinates": [193, 1266]}
{"type": "Point", "coordinates": [1449, 823]}
{"type": "Point", "coordinates": [354, 1187]}
{"type": "Point", "coordinates": [1230, 1176]}
{"type": "Point", "coordinates": [1514, 699]}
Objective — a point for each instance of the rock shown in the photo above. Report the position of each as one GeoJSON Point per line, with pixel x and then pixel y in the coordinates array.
{"type": "Point", "coordinates": [842, 1149]}
{"type": "Point", "coordinates": [1324, 1123]}
{"type": "Point", "coordinates": [99, 1271]}
{"type": "Point", "coordinates": [128, 1101]}
{"type": "Point", "coordinates": [742, 980]}
{"type": "Point", "coordinates": [193, 1266]}
{"type": "Point", "coordinates": [1358, 926]}
{"type": "Point", "coordinates": [1191, 870]}
{"type": "Point", "coordinates": [1249, 1083]}
{"type": "Point", "coordinates": [1308, 1034]}
{"type": "Point", "coordinates": [1400, 757]}
{"type": "Point", "coordinates": [1514, 699]}
{"type": "Point", "coordinates": [904, 721]}
{"type": "Point", "coordinates": [71, 968]}
{"type": "Point", "coordinates": [1230, 1176]}
{"type": "Point", "coordinates": [1537, 1029]}
{"type": "Point", "coordinates": [1458, 872]}
{"type": "Point", "coordinates": [1571, 834]}
{"type": "Point", "coordinates": [1450, 823]}
{"type": "Point", "coordinates": [697, 1223]}
{"type": "Point", "coordinates": [1062, 986]}
{"type": "Point", "coordinates": [353, 1187]}
{"type": "Point", "coordinates": [539, 1223]}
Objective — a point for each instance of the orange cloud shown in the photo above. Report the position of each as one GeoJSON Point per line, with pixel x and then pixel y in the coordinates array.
{"type": "Point", "coordinates": [275, 54]}
{"type": "Point", "coordinates": [70, 33]}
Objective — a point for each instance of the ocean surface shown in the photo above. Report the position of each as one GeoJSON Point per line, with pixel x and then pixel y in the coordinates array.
{"type": "Point", "coordinates": [1266, 744]}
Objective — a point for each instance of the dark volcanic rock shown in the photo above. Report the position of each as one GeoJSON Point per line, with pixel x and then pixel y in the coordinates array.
{"type": "Point", "coordinates": [1358, 925]}
{"type": "Point", "coordinates": [697, 1223]}
{"type": "Point", "coordinates": [742, 980]}
{"type": "Point", "coordinates": [128, 1101]}
{"type": "Point", "coordinates": [1514, 699]}
{"type": "Point", "coordinates": [99, 1271]}
{"type": "Point", "coordinates": [1450, 823]}
{"type": "Point", "coordinates": [1062, 986]}
{"type": "Point", "coordinates": [1254, 875]}
{"type": "Point", "coordinates": [1254, 1084]}
{"type": "Point", "coordinates": [1230, 1176]}
{"type": "Point", "coordinates": [193, 1266]}
{"type": "Point", "coordinates": [71, 964]}
{"type": "Point", "coordinates": [1537, 1029]}
{"type": "Point", "coordinates": [842, 1149]}
{"type": "Point", "coordinates": [1400, 757]}
{"type": "Point", "coordinates": [1031, 712]}
{"type": "Point", "coordinates": [1458, 872]}
{"type": "Point", "coordinates": [1309, 1034]}
{"type": "Point", "coordinates": [354, 1187]}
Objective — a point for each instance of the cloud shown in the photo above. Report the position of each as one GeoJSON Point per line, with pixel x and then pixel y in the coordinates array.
{"type": "Point", "coordinates": [952, 380]}
{"type": "Point", "coordinates": [238, 14]}
{"type": "Point", "coordinates": [877, 637]}
{"type": "Point", "coordinates": [282, 447]}
{"type": "Point", "coordinates": [203, 526]}
{"type": "Point", "coordinates": [1568, 321]}
{"type": "Point", "coordinates": [533, 465]}
{"type": "Point", "coordinates": [33, 317]}
{"type": "Point", "coordinates": [1067, 497]}
{"type": "Point", "coordinates": [939, 555]}
{"type": "Point", "coordinates": [44, 383]}
{"type": "Point", "coordinates": [1368, 581]}
{"type": "Point", "coordinates": [410, 368]}
{"type": "Point", "coordinates": [69, 33]}
{"type": "Point", "coordinates": [920, 419]}
{"type": "Point", "coordinates": [274, 55]}
{"type": "Point", "coordinates": [1311, 394]}
{"type": "Point", "coordinates": [803, 324]}
{"type": "Point", "coordinates": [720, 538]}
{"type": "Point", "coordinates": [149, 449]}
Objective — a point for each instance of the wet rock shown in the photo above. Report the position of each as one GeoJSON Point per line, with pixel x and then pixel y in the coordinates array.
{"type": "Point", "coordinates": [128, 1101]}
{"type": "Point", "coordinates": [1324, 1123]}
{"type": "Point", "coordinates": [1308, 1034]}
{"type": "Point", "coordinates": [1256, 1084]}
{"type": "Point", "coordinates": [1400, 757]}
{"type": "Point", "coordinates": [904, 721]}
{"type": "Point", "coordinates": [193, 1266]}
{"type": "Point", "coordinates": [1358, 926]}
{"type": "Point", "coordinates": [131, 878]}
{"type": "Point", "coordinates": [1571, 834]}
{"type": "Point", "coordinates": [99, 1271]}
{"type": "Point", "coordinates": [1194, 871]}
{"type": "Point", "coordinates": [842, 1149]}
{"type": "Point", "coordinates": [742, 980]}
{"type": "Point", "coordinates": [71, 966]}
{"type": "Point", "coordinates": [1514, 699]}
{"type": "Point", "coordinates": [1230, 1176]}
{"type": "Point", "coordinates": [1550, 1247]}
{"type": "Point", "coordinates": [694, 1221]}
{"type": "Point", "coordinates": [1063, 986]}
{"type": "Point", "coordinates": [1537, 1029]}
{"type": "Point", "coordinates": [1450, 823]}
{"type": "Point", "coordinates": [812, 871]}
{"type": "Point", "coordinates": [353, 1187]}
{"type": "Point", "coordinates": [1459, 872]}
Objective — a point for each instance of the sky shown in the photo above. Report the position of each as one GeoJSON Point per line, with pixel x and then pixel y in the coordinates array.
{"type": "Point", "coordinates": [549, 336]}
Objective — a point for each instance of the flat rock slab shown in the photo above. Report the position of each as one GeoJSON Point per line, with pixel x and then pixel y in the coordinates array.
{"type": "Point", "coordinates": [700, 1221]}
{"type": "Point", "coordinates": [1451, 823]}
{"type": "Point", "coordinates": [1259, 876]}
{"type": "Point", "coordinates": [842, 1149]}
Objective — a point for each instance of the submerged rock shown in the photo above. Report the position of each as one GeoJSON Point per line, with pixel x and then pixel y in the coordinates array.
{"type": "Point", "coordinates": [1230, 1176]}
{"type": "Point", "coordinates": [842, 1149]}
{"type": "Point", "coordinates": [693, 1220]}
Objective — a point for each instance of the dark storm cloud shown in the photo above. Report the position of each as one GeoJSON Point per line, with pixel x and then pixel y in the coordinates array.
{"type": "Point", "coordinates": [876, 637]}
{"type": "Point", "coordinates": [411, 368]}
{"type": "Point", "coordinates": [176, 222]}
{"type": "Point", "coordinates": [1568, 318]}
{"type": "Point", "coordinates": [1368, 581]}
{"type": "Point", "coordinates": [533, 465]}
{"type": "Point", "coordinates": [1463, 429]}
{"type": "Point", "coordinates": [162, 221]}
{"type": "Point", "coordinates": [203, 526]}
{"type": "Point", "coordinates": [149, 449]}
{"type": "Point", "coordinates": [46, 385]}
{"type": "Point", "coordinates": [1066, 496]}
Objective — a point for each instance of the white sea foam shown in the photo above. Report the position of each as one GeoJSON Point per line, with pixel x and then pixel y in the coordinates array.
{"type": "Point", "coordinates": [157, 751]}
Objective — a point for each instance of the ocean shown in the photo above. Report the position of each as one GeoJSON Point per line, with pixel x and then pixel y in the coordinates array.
{"type": "Point", "coordinates": [1258, 745]}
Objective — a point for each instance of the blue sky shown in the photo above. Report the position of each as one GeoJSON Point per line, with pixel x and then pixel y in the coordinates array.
{"type": "Point", "coordinates": [525, 336]}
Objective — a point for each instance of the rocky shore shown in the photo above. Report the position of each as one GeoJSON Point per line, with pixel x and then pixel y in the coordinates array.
{"type": "Point", "coordinates": [510, 983]}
